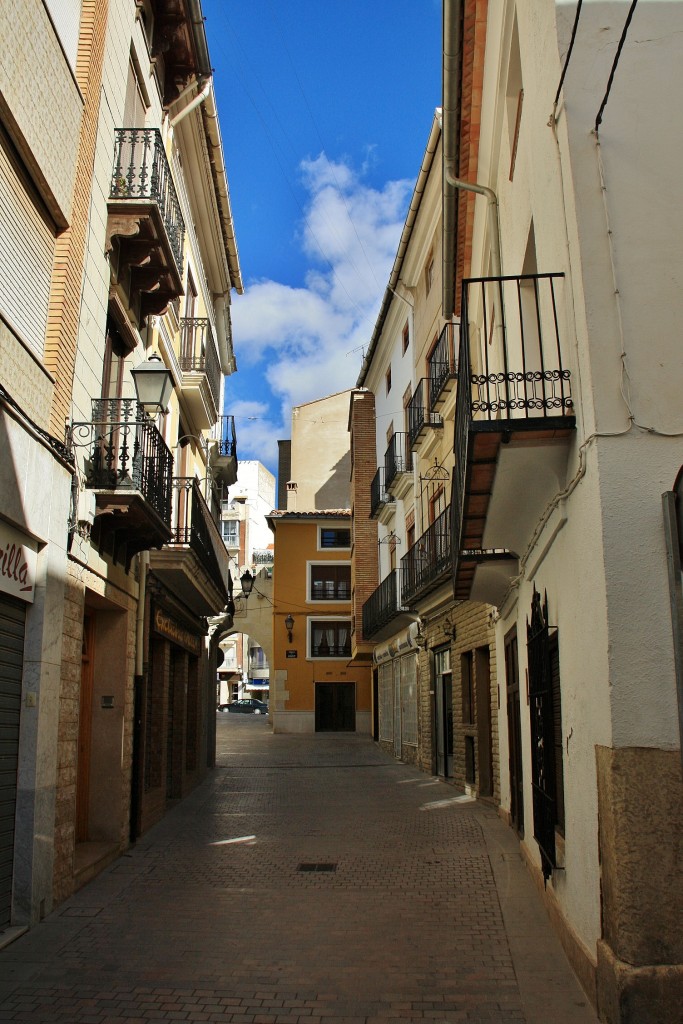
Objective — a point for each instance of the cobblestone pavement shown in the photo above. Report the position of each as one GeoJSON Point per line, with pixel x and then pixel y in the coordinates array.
{"type": "Point", "coordinates": [309, 880]}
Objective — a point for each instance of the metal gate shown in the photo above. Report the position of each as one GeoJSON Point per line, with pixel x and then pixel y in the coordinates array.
{"type": "Point", "coordinates": [12, 624]}
{"type": "Point", "coordinates": [542, 732]}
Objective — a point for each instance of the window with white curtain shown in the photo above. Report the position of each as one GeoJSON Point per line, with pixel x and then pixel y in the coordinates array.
{"type": "Point", "coordinates": [330, 638]}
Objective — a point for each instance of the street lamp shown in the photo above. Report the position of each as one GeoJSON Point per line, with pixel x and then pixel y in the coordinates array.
{"type": "Point", "coordinates": [153, 384]}
{"type": "Point", "coordinates": [289, 626]}
{"type": "Point", "coordinates": [247, 581]}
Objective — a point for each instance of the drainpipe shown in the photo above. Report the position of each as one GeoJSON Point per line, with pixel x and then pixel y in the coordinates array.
{"type": "Point", "coordinates": [481, 190]}
{"type": "Point", "coordinates": [227, 356]}
{"type": "Point", "coordinates": [143, 563]}
{"type": "Point", "coordinates": [199, 98]}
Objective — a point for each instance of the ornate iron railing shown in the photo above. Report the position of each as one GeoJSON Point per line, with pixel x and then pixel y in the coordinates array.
{"type": "Point", "coordinates": [198, 353]}
{"type": "Point", "coordinates": [427, 560]}
{"type": "Point", "coordinates": [520, 354]}
{"type": "Point", "coordinates": [194, 527]}
{"type": "Point", "coordinates": [382, 606]}
{"type": "Point", "coordinates": [442, 365]}
{"type": "Point", "coordinates": [419, 415]}
{"type": "Point", "coordinates": [227, 440]}
{"type": "Point", "coordinates": [126, 452]}
{"type": "Point", "coordinates": [398, 458]}
{"type": "Point", "coordinates": [379, 496]}
{"type": "Point", "coordinates": [141, 171]}
{"type": "Point", "coordinates": [263, 557]}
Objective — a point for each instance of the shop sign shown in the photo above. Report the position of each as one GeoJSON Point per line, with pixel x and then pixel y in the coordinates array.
{"type": "Point", "coordinates": [18, 559]}
{"type": "Point", "coordinates": [291, 654]}
{"type": "Point", "coordinates": [173, 631]}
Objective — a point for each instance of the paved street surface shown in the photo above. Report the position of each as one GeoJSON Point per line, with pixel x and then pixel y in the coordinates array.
{"type": "Point", "coordinates": [310, 880]}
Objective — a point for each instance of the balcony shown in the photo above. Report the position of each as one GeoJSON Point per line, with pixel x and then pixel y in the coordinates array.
{"type": "Point", "coordinates": [421, 418]}
{"type": "Point", "coordinates": [223, 458]}
{"type": "Point", "coordinates": [442, 367]}
{"type": "Point", "coordinates": [194, 564]}
{"type": "Point", "coordinates": [145, 228]}
{"type": "Point", "coordinates": [383, 613]}
{"type": "Point", "coordinates": [427, 565]}
{"type": "Point", "coordinates": [398, 466]}
{"type": "Point", "coordinates": [128, 466]}
{"type": "Point", "coordinates": [200, 385]}
{"type": "Point", "coordinates": [513, 424]}
{"type": "Point", "coordinates": [379, 495]}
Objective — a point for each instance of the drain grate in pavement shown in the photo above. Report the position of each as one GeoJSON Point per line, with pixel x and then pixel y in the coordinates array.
{"type": "Point", "coordinates": [317, 867]}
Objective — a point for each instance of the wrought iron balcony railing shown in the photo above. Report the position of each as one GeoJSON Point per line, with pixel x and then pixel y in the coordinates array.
{"type": "Point", "coordinates": [127, 452]}
{"type": "Point", "coordinates": [379, 496]}
{"type": "Point", "coordinates": [194, 527]}
{"type": "Point", "coordinates": [442, 363]}
{"type": "Point", "coordinates": [398, 458]}
{"type": "Point", "coordinates": [382, 606]}
{"type": "Point", "coordinates": [198, 353]}
{"type": "Point", "coordinates": [227, 439]}
{"type": "Point", "coordinates": [263, 557]}
{"type": "Point", "coordinates": [141, 171]}
{"type": "Point", "coordinates": [427, 560]}
{"type": "Point", "coordinates": [523, 382]}
{"type": "Point", "coordinates": [419, 414]}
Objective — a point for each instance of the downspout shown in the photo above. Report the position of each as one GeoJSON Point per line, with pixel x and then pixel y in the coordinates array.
{"type": "Point", "coordinates": [192, 105]}
{"type": "Point", "coordinates": [143, 563]}
{"type": "Point", "coordinates": [452, 46]}
{"type": "Point", "coordinates": [481, 190]}
{"type": "Point", "coordinates": [225, 351]}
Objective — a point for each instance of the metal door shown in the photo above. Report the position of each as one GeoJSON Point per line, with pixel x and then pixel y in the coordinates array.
{"type": "Point", "coordinates": [12, 625]}
{"type": "Point", "coordinates": [397, 707]}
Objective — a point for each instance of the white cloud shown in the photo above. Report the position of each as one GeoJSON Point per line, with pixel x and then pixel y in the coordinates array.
{"type": "Point", "coordinates": [301, 337]}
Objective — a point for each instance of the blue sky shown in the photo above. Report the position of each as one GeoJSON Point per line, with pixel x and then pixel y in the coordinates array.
{"type": "Point", "coordinates": [325, 109]}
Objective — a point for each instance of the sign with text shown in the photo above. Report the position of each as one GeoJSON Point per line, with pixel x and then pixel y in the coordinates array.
{"type": "Point", "coordinates": [172, 630]}
{"type": "Point", "coordinates": [291, 654]}
{"type": "Point", "coordinates": [18, 559]}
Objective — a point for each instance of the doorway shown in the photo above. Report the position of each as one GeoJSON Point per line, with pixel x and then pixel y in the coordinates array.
{"type": "Point", "coordinates": [85, 729]}
{"type": "Point", "coordinates": [443, 713]}
{"type": "Point", "coordinates": [335, 707]}
{"type": "Point", "coordinates": [12, 628]}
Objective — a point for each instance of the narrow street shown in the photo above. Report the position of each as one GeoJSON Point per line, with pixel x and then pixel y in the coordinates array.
{"type": "Point", "coordinates": [310, 880]}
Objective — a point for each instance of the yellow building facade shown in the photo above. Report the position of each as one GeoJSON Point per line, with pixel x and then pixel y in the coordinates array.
{"type": "Point", "coordinates": [314, 685]}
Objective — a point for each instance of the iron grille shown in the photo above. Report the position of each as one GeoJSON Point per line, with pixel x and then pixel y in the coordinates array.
{"type": "Point", "coordinates": [425, 563]}
{"type": "Point", "coordinates": [398, 458]}
{"type": "Point", "coordinates": [198, 353]}
{"type": "Point", "coordinates": [442, 363]}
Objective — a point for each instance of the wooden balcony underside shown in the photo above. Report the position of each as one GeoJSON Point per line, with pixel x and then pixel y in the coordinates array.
{"type": "Point", "coordinates": [485, 441]}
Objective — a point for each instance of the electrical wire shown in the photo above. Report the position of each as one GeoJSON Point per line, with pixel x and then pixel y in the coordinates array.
{"type": "Point", "coordinates": [568, 56]}
{"type": "Point", "coordinates": [598, 119]}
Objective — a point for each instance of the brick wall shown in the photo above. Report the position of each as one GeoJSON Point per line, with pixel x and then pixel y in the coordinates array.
{"type": "Point", "coordinates": [65, 293]}
{"type": "Point", "coordinates": [364, 556]}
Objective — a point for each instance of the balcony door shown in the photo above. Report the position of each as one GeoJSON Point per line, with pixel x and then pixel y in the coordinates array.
{"type": "Point", "coordinates": [514, 734]}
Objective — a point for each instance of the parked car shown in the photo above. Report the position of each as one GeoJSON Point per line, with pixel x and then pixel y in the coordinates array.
{"type": "Point", "coordinates": [245, 706]}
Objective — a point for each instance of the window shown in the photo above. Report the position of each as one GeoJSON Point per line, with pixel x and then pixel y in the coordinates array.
{"type": "Point", "coordinates": [330, 582]}
{"type": "Point", "coordinates": [230, 532]}
{"type": "Point", "coordinates": [331, 638]}
{"type": "Point", "coordinates": [409, 700]}
{"type": "Point", "coordinates": [467, 688]}
{"type": "Point", "coordinates": [388, 380]}
{"type": "Point", "coordinates": [386, 702]}
{"type": "Point", "coordinates": [335, 537]}
{"type": "Point", "coordinates": [429, 273]}
{"type": "Point", "coordinates": [406, 338]}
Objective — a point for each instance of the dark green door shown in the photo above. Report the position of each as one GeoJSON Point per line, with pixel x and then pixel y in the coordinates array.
{"type": "Point", "coordinates": [335, 707]}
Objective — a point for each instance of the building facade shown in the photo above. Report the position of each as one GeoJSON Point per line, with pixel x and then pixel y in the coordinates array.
{"type": "Point", "coordinates": [132, 221]}
{"type": "Point", "coordinates": [559, 262]}
{"type": "Point", "coordinates": [314, 685]}
{"type": "Point", "coordinates": [433, 656]}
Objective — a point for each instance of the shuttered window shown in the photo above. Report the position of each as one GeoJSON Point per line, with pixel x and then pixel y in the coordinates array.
{"type": "Point", "coordinates": [409, 700]}
{"type": "Point", "coordinates": [27, 235]}
{"type": "Point", "coordinates": [12, 623]}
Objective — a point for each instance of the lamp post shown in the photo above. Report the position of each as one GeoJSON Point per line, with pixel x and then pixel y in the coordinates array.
{"type": "Point", "coordinates": [153, 384]}
{"type": "Point", "coordinates": [289, 626]}
{"type": "Point", "coordinates": [247, 581]}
